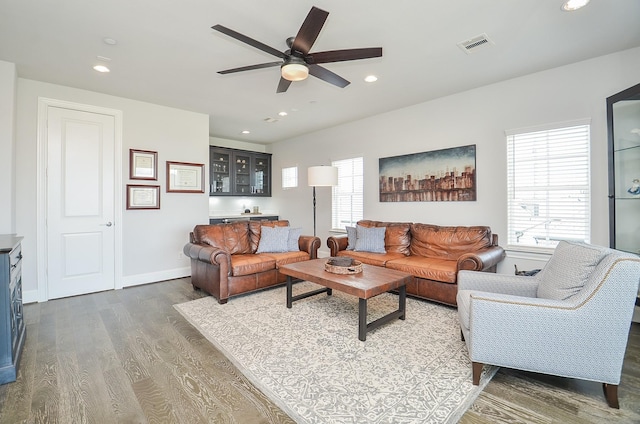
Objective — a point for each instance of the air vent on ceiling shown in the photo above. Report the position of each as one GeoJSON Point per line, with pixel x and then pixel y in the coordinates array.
{"type": "Point", "coordinates": [476, 43]}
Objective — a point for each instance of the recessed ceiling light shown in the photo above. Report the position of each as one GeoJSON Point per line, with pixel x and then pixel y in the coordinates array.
{"type": "Point", "coordinates": [101, 68]}
{"type": "Point", "coordinates": [371, 78]}
{"type": "Point", "coordinates": [571, 5]}
{"type": "Point", "coordinates": [109, 41]}
{"type": "Point", "coordinates": [283, 113]}
{"type": "Point", "coordinates": [246, 132]}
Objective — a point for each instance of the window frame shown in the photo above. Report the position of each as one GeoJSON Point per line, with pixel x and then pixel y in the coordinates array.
{"type": "Point", "coordinates": [549, 202]}
{"type": "Point", "coordinates": [347, 188]}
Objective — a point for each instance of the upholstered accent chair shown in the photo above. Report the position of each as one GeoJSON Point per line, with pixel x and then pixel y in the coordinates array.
{"type": "Point", "coordinates": [572, 319]}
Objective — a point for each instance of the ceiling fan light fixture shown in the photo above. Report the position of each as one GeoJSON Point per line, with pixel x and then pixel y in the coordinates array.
{"type": "Point", "coordinates": [571, 5]}
{"type": "Point", "coordinates": [294, 70]}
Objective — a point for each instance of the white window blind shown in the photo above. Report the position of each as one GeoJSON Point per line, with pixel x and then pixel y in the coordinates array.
{"type": "Point", "coordinates": [347, 196]}
{"type": "Point", "coordinates": [290, 177]}
{"type": "Point", "coordinates": [548, 186]}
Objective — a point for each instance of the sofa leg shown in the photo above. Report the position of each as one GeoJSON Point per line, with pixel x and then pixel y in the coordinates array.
{"type": "Point", "coordinates": [611, 394]}
{"type": "Point", "coordinates": [222, 301]}
{"type": "Point", "coordinates": [476, 368]}
{"type": "Point", "coordinates": [195, 287]}
{"type": "Point", "coordinates": [461, 335]}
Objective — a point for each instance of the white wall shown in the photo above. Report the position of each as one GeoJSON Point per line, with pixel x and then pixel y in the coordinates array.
{"type": "Point", "coordinates": [479, 117]}
{"type": "Point", "coordinates": [152, 239]}
{"type": "Point", "coordinates": [8, 79]}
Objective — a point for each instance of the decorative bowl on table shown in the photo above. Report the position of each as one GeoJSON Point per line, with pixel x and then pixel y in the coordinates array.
{"type": "Point", "coordinates": [343, 265]}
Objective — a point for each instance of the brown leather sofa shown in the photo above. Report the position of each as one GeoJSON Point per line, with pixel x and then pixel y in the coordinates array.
{"type": "Point", "coordinates": [432, 254]}
{"type": "Point", "coordinates": [224, 262]}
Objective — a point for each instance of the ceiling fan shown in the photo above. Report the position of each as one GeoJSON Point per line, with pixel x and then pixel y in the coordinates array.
{"type": "Point", "coordinates": [297, 63]}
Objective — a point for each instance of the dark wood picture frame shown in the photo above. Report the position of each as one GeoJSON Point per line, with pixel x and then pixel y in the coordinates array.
{"type": "Point", "coordinates": [184, 177]}
{"type": "Point", "coordinates": [143, 196]}
{"type": "Point", "coordinates": [143, 165]}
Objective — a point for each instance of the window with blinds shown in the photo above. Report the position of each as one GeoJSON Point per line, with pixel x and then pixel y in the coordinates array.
{"type": "Point", "coordinates": [290, 177]}
{"type": "Point", "coordinates": [347, 196]}
{"type": "Point", "coordinates": [548, 186]}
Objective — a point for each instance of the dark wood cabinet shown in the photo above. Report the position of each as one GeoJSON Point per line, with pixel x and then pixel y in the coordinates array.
{"type": "Point", "coordinates": [623, 121]}
{"type": "Point", "coordinates": [239, 172]}
{"type": "Point", "coordinates": [12, 328]}
{"type": "Point", "coordinates": [223, 220]}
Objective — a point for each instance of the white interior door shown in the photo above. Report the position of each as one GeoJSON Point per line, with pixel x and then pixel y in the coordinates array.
{"type": "Point", "coordinates": [80, 202]}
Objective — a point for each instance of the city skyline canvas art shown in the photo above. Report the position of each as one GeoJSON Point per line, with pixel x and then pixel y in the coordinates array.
{"type": "Point", "coordinates": [436, 176]}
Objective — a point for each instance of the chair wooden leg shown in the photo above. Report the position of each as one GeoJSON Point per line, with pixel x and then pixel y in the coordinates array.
{"type": "Point", "coordinates": [461, 335]}
{"type": "Point", "coordinates": [611, 394]}
{"type": "Point", "coordinates": [476, 368]}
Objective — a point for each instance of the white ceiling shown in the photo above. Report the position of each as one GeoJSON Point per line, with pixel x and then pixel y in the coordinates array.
{"type": "Point", "coordinates": [167, 53]}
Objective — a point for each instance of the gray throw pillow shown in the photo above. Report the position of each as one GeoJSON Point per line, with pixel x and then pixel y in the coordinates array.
{"type": "Point", "coordinates": [568, 269]}
{"type": "Point", "coordinates": [273, 239]}
{"type": "Point", "coordinates": [292, 242]}
{"type": "Point", "coordinates": [370, 239]}
{"type": "Point", "coordinates": [351, 237]}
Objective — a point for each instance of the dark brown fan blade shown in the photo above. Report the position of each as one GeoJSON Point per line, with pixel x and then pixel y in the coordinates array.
{"type": "Point", "coordinates": [249, 41]}
{"type": "Point", "coordinates": [343, 55]}
{"type": "Point", "coordinates": [309, 30]}
{"type": "Point", "coordinates": [328, 76]}
{"type": "Point", "coordinates": [250, 68]}
{"type": "Point", "coordinates": [283, 85]}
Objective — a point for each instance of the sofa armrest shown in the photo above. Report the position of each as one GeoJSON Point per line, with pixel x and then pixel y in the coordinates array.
{"type": "Point", "coordinates": [337, 243]}
{"type": "Point", "coordinates": [481, 260]}
{"type": "Point", "coordinates": [208, 254]}
{"type": "Point", "coordinates": [310, 244]}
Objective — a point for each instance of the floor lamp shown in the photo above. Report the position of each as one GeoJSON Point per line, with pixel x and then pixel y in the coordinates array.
{"type": "Point", "coordinates": [321, 176]}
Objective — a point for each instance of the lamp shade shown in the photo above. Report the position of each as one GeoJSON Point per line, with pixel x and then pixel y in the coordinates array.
{"type": "Point", "coordinates": [322, 176]}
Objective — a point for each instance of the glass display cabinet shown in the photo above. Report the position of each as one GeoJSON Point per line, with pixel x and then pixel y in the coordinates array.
{"type": "Point", "coordinates": [239, 172]}
{"type": "Point", "coordinates": [623, 122]}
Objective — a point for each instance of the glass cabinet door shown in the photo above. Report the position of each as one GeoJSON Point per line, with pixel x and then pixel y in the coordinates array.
{"type": "Point", "coordinates": [220, 169]}
{"type": "Point", "coordinates": [261, 177]}
{"type": "Point", "coordinates": [242, 165]}
{"type": "Point", "coordinates": [623, 117]}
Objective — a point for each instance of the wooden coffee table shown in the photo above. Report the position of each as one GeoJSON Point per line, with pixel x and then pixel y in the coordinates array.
{"type": "Point", "coordinates": [372, 281]}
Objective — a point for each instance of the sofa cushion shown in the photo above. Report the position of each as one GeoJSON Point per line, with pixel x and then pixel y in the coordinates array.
{"type": "Point", "coordinates": [232, 237]}
{"type": "Point", "coordinates": [568, 269]}
{"type": "Point", "coordinates": [378, 259]}
{"type": "Point", "coordinates": [255, 228]}
{"type": "Point", "coordinates": [273, 239]}
{"type": "Point", "coordinates": [433, 241]}
{"type": "Point", "coordinates": [370, 239]}
{"type": "Point", "coordinates": [397, 236]}
{"type": "Point", "coordinates": [292, 241]}
{"type": "Point", "coordinates": [251, 263]}
{"type": "Point", "coordinates": [287, 257]}
{"type": "Point", "coordinates": [444, 270]}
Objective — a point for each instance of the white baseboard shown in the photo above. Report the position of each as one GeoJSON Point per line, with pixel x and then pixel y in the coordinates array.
{"type": "Point", "coordinates": [154, 277]}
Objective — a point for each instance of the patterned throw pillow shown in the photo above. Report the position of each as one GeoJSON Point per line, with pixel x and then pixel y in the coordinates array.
{"type": "Point", "coordinates": [351, 237]}
{"type": "Point", "coordinates": [370, 239]}
{"type": "Point", "coordinates": [568, 269]}
{"type": "Point", "coordinates": [292, 242]}
{"type": "Point", "coordinates": [273, 239]}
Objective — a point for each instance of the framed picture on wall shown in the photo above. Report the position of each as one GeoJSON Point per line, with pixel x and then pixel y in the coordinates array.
{"type": "Point", "coordinates": [143, 196]}
{"type": "Point", "coordinates": [143, 165]}
{"type": "Point", "coordinates": [447, 175]}
{"type": "Point", "coordinates": [185, 177]}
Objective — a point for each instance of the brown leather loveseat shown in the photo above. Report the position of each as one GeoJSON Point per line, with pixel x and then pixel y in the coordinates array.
{"type": "Point", "coordinates": [225, 262]}
{"type": "Point", "coordinates": [432, 254]}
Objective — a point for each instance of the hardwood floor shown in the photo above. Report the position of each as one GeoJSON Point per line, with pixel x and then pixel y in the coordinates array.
{"type": "Point", "coordinates": [127, 356]}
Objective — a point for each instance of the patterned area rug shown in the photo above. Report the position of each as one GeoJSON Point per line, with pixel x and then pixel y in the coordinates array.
{"type": "Point", "coordinates": [309, 361]}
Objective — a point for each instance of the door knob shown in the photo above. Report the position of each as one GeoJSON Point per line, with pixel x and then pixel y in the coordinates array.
{"type": "Point", "coordinates": [108, 224]}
